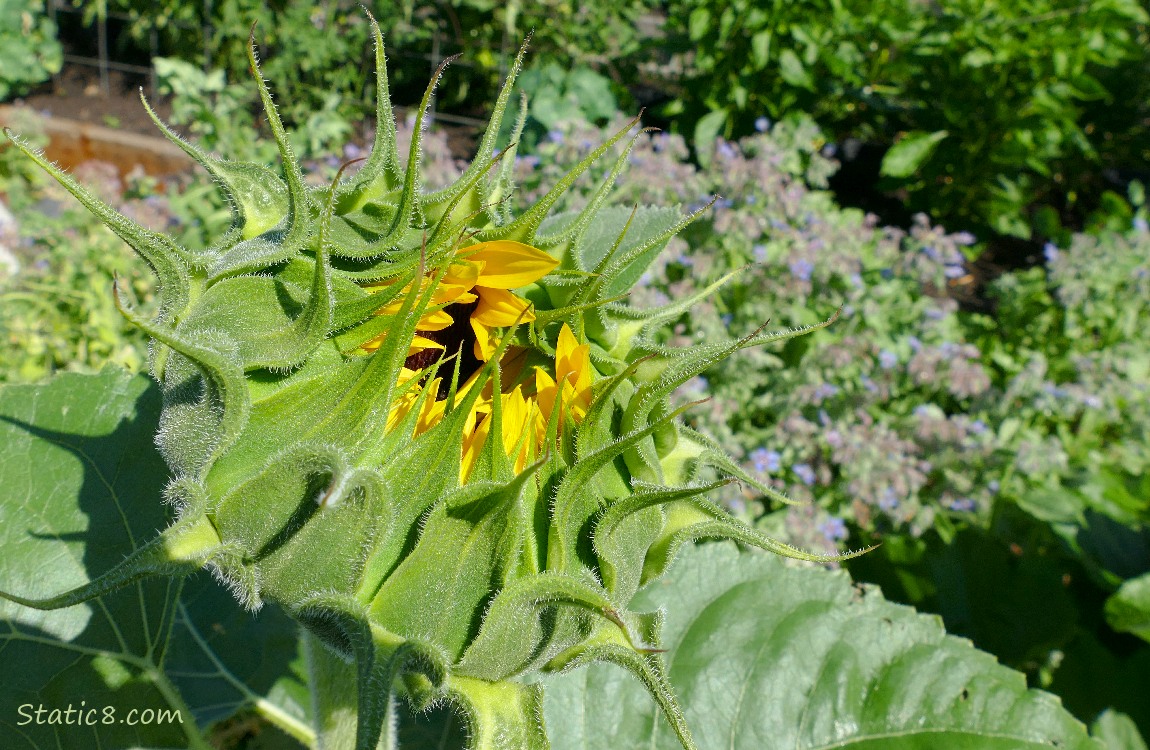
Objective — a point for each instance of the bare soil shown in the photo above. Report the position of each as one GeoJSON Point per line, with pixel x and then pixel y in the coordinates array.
{"type": "Point", "coordinates": [76, 94]}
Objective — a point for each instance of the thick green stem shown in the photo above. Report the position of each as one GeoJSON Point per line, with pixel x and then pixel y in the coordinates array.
{"type": "Point", "coordinates": [332, 683]}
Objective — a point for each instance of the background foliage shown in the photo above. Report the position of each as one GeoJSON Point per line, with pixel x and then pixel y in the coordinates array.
{"type": "Point", "coordinates": [29, 52]}
{"type": "Point", "coordinates": [987, 425]}
{"type": "Point", "coordinates": [1002, 115]}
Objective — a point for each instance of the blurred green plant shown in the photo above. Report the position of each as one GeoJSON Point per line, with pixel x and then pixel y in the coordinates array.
{"type": "Point", "coordinates": [29, 51]}
{"type": "Point", "coordinates": [56, 308]}
{"type": "Point", "coordinates": [991, 110]}
{"type": "Point", "coordinates": [218, 115]}
{"type": "Point", "coordinates": [557, 95]}
{"type": "Point", "coordinates": [314, 50]}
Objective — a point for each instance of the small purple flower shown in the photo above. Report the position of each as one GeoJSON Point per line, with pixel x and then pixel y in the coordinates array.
{"type": "Point", "coordinates": [823, 392]}
{"type": "Point", "coordinates": [1050, 252]}
{"type": "Point", "coordinates": [833, 529]}
{"type": "Point", "coordinates": [953, 272]}
{"type": "Point", "coordinates": [830, 150]}
{"type": "Point", "coordinates": [352, 151]}
{"type": "Point", "coordinates": [1140, 224]}
{"type": "Point", "coordinates": [963, 238]}
{"type": "Point", "coordinates": [765, 461]}
{"type": "Point", "coordinates": [993, 486]}
{"type": "Point", "coordinates": [805, 473]}
{"type": "Point", "coordinates": [889, 500]}
{"type": "Point", "coordinates": [726, 150]}
{"type": "Point", "coordinates": [802, 269]}
{"type": "Point", "coordinates": [978, 427]}
{"type": "Point", "coordinates": [962, 505]}
{"type": "Point", "coordinates": [931, 252]}
{"type": "Point", "coordinates": [555, 136]}
{"type": "Point", "coordinates": [760, 252]}
{"type": "Point", "coordinates": [887, 359]}
{"type": "Point", "coordinates": [727, 318]}
{"type": "Point", "coordinates": [915, 344]}
{"type": "Point", "coordinates": [922, 411]}
{"type": "Point", "coordinates": [762, 124]}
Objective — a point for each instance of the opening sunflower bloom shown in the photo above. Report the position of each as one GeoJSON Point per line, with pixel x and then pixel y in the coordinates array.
{"type": "Point", "coordinates": [473, 300]}
{"type": "Point", "coordinates": [527, 410]}
{"type": "Point", "coordinates": [476, 289]}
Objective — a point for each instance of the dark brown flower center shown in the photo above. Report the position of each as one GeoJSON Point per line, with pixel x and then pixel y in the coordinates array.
{"type": "Point", "coordinates": [457, 338]}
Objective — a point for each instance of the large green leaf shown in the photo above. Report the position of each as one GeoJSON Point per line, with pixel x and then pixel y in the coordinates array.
{"type": "Point", "coordinates": [906, 156]}
{"type": "Point", "coordinates": [82, 488]}
{"type": "Point", "coordinates": [765, 655]}
{"type": "Point", "coordinates": [1128, 610]}
{"type": "Point", "coordinates": [1117, 731]}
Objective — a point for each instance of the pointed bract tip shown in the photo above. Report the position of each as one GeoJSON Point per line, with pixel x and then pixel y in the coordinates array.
{"type": "Point", "coordinates": [343, 167]}
{"type": "Point", "coordinates": [750, 336]}
{"type": "Point", "coordinates": [443, 66]}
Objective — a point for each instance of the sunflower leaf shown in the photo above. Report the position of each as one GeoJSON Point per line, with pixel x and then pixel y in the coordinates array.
{"type": "Point", "coordinates": [766, 655]}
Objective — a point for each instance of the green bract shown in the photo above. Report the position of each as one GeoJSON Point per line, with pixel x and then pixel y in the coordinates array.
{"type": "Point", "coordinates": [366, 423]}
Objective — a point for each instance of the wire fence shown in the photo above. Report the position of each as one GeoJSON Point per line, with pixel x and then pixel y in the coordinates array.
{"type": "Point", "coordinates": [105, 61]}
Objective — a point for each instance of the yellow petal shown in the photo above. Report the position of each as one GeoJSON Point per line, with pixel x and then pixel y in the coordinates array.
{"type": "Point", "coordinates": [434, 321]}
{"type": "Point", "coordinates": [418, 344]}
{"type": "Point", "coordinates": [431, 412]}
{"type": "Point", "coordinates": [508, 264]}
{"type": "Point", "coordinates": [485, 343]}
{"type": "Point", "coordinates": [573, 369]}
{"type": "Point", "coordinates": [499, 308]}
{"type": "Point", "coordinates": [545, 391]}
{"type": "Point", "coordinates": [517, 418]}
{"type": "Point", "coordinates": [463, 273]}
{"type": "Point", "coordinates": [472, 445]}
{"type": "Point", "coordinates": [402, 405]}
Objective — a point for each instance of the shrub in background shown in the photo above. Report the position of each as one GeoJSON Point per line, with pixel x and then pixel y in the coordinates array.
{"type": "Point", "coordinates": [315, 50]}
{"type": "Point", "coordinates": [992, 110]}
{"type": "Point", "coordinates": [29, 52]}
